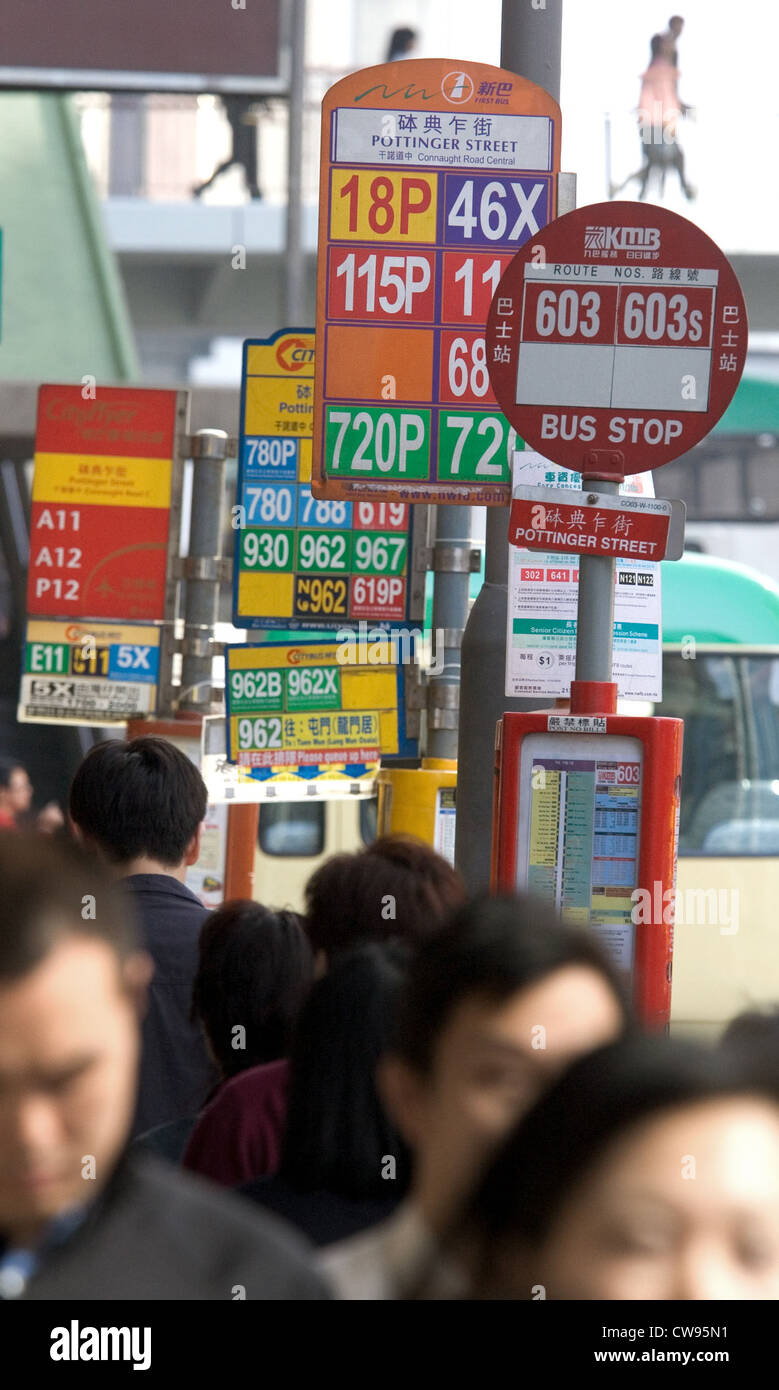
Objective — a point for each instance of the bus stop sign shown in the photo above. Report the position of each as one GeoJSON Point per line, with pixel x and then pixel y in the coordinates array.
{"type": "Point", "coordinates": [616, 338]}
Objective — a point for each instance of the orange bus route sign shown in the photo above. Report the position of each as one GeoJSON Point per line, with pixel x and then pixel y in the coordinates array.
{"type": "Point", "coordinates": [434, 174]}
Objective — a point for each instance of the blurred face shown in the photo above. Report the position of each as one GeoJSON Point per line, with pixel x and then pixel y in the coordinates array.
{"type": "Point", "coordinates": [489, 1064]}
{"type": "Point", "coordinates": [68, 1058]}
{"type": "Point", "coordinates": [685, 1207]}
{"type": "Point", "coordinates": [18, 793]}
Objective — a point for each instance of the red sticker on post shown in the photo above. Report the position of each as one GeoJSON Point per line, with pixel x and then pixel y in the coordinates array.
{"type": "Point", "coordinates": [616, 338]}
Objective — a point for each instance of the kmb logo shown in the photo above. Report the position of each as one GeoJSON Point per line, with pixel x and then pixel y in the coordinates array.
{"type": "Point", "coordinates": [293, 354]}
{"type": "Point", "coordinates": [621, 238]}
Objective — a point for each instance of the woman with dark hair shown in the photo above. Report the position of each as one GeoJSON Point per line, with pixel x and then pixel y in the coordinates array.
{"type": "Point", "coordinates": [254, 972]}
{"type": "Point", "coordinates": [592, 1195]}
{"type": "Point", "coordinates": [401, 44]}
{"type": "Point", "coordinates": [343, 1165]}
{"type": "Point", "coordinates": [396, 887]}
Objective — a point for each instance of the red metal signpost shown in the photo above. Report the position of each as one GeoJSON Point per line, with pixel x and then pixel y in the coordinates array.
{"type": "Point", "coordinates": [615, 341]}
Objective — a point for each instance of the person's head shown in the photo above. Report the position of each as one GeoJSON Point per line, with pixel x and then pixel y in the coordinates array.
{"type": "Point", "coordinates": [15, 787]}
{"type": "Point", "coordinates": [402, 43]}
{"type": "Point", "coordinates": [338, 1136]}
{"type": "Point", "coordinates": [72, 980]}
{"type": "Point", "coordinates": [495, 1006]}
{"type": "Point", "coordinates": [398, 886]}
{"type": "Point", "coordinates": [657, 48]}
{"type": "Point", "coordinates": [649, 1171]}
{"type": "Point", "coordinates": [675, 25]}
{"type": "Point", "coordinates": [139, 803]}
{"type": "Point", "coordinates": [254, 972]}
{"type": "Point", "coordinates": [754, 1034]}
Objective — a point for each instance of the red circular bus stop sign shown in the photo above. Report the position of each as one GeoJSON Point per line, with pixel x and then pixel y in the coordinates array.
{"type": "Point", "coordinates": [616, 338]}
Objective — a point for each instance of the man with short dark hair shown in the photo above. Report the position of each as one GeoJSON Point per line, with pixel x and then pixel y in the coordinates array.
{"type": "Point", "coordinates": [494, 1006]}
{"type": "Point", "coordinates": [80, 1218]}
{"type": "Point", "coordinates": [141, 805]}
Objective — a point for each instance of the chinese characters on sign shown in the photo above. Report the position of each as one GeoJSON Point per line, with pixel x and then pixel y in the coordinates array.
{"type": "Point", "coordinates": [100, 522]}
{"type": "Point", "coordinates": [308, 711]}
{"type": "Point", "coordinates": [543, 594]}
{"type": "Point", "coordinates": [103, 525]}
{"type": "Point", "coordinates": [88, 673]}
{"type": "Point", "coordinates": [613, 526]}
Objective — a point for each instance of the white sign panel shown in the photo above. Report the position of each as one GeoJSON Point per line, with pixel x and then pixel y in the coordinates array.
{"type": "Point", "coordinates": [462, 138]}
{"type": "Point", "coordinates": [543, 590]}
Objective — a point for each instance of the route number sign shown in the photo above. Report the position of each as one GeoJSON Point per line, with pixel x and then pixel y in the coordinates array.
{"type": "Point", "coordinates": [616, 338]}
{"type": "Point", "coordinates": [303, 562]}
{"type": "Point", "coordinates": [433, 176]}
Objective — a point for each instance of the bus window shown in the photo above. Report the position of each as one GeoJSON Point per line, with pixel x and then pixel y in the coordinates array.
{"type": "Point", "coordinates": [369, 819]}
{"type": "Point", "coordinates": [730, 771]}
{"type": "Point", "coordinates": [292, 828]}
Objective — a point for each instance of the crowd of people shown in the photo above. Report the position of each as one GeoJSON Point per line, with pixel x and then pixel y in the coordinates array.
{"type": "Point", "coordinates": [401, 1094]}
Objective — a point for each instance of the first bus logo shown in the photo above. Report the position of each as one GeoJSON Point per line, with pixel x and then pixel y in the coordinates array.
{"type": "Point", "coordinates": [457, 87]}
{"type": "Point", "coordinates": [293, 354]}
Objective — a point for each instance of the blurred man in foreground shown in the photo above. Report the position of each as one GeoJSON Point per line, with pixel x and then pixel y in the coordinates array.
{"type": "Point", "coordinates": [495, 1005]}
{"type": "Point", "coordinates": [78, 1218]}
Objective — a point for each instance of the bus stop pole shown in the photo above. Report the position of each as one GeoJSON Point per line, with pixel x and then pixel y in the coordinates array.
{"type": "Point", "coordinates": [295, 278]}
{"type": "Point", "coordinates": [451, 578]}
{"type": "Point", "coordinates": [530, 46]}
{"type": "Point", "coordinates": [201, 569]}
{"type": "Point", "coordinates": [595, 610]}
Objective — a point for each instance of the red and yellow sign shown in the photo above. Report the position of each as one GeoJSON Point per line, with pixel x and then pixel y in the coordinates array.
{"type": "Point", "coordinates": [101, 498]}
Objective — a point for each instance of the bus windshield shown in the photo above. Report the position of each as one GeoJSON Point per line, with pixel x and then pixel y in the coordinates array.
{"type": "Point", "coordinates": [730, 773]}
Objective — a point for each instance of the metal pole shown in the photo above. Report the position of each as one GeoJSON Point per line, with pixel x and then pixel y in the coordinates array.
{"type": "Point", "coordinates": [595, 611]}
{"type": "Point", "coordinates": [126, 145]}
{"type": "Point", "coordinates": [530, 46]}
{"type": "Point", "coordinates": [452, 570]}
{"type": "Point", "coordinates": [202, 569]}
{"type": "Point", "coordinates": [295, 287]}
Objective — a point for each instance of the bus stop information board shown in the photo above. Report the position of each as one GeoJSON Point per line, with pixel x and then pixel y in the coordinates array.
{"type": "Point", "coordinates": [100, 522]}
{"type": "Point", "coordinates": [433, 174]}
{"type": "Point", "coordinates": [88, 673]}
{"type": "Point", "coordinates": [297, 711]}
{"type": "Point", "coordinates": [616, 338]}
{"type": "Point", "coordinates": [105, 490]}
{"type": "Point", "coordinates": [300, 562]}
